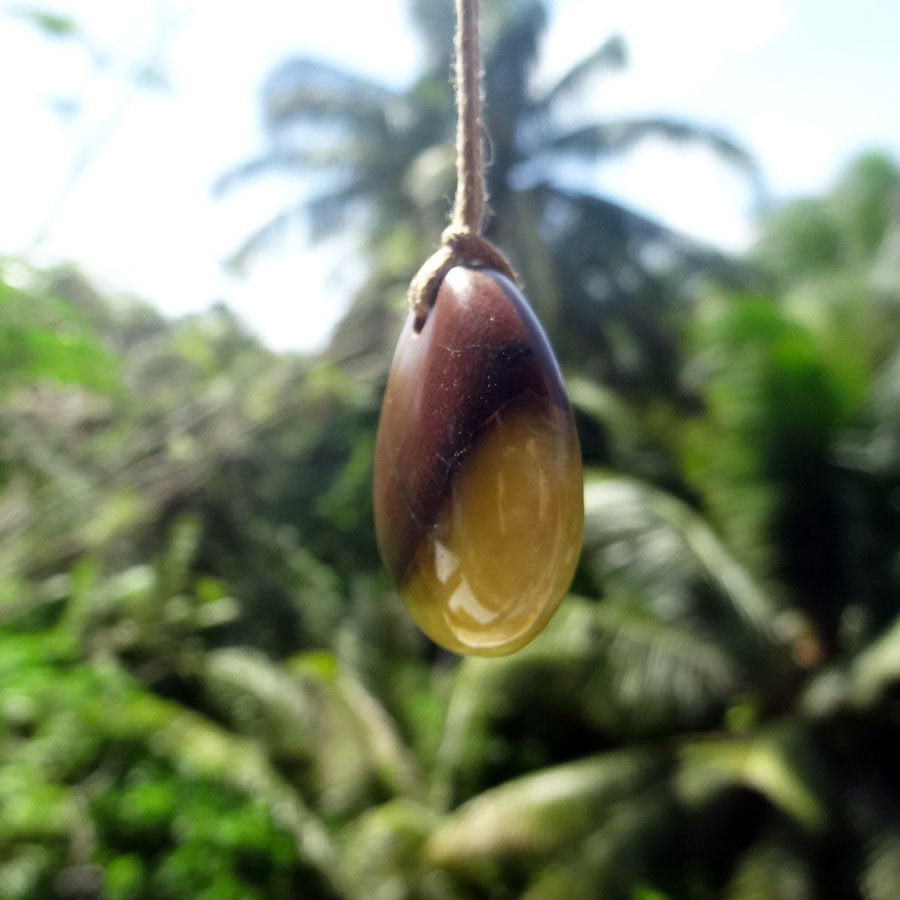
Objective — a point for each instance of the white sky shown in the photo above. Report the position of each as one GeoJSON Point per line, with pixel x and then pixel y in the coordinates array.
{"type": "Point", "coordinates": [804, 84]}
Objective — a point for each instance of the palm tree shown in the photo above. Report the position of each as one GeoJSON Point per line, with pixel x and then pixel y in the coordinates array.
{"type": "Point", "coordinates": [593, 267]}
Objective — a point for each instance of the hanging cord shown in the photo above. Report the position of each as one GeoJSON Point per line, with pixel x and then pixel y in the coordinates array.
{"type": "Point", "coordinates": [470, 190]}
{"type": "Point", "coordinates": [461, 241]}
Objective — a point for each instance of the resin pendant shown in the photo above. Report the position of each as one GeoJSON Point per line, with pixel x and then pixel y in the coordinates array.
{"type": "Point", "coordinates": [478, 488]}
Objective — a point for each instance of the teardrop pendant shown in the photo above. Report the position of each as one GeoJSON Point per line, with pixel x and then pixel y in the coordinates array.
{"type": "Point", "coordinates": [478, 488]}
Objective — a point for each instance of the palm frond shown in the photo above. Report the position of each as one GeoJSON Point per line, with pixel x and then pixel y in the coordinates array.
{"type": "Point", "coordinates": [305, 88]}
{"type": "Point", "coordinates": [604, 406]}
{"type": "Point", "coordinates": [665, 551]}
{"type": "Point", "coordinates": [539, 813]}
{"type": "Point", "coordinates": [314, 104]}
{"type": "Point", "coordinates": [782, 764]}
{"type": "Point", "coordinates": [655, 674]}
{"type": "Point", "coordinates": [261, 699]}
{"type": "Point", "coordinates": [370, 722]}
{"type": "Point", "coordinates": [610, 55]}
{"type": "Point", "coordinates": [615, 137]}
{"type": "Point", "coordinates": [861, 683]}
{"type": "Point", "coordinates": [599, 234]}
{"type": "Point", "coordinates": [293, 161]}
{"type": "Point", "coordinates": [618, 855]}
{"type": "Point", "coordinates": [877, 668]}
{"type": "Point", "coordinates": [384, 845]}
{"type": "Point", "coordinates": [320, 724]}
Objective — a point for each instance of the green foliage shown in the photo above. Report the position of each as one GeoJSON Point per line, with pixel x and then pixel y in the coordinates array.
{"type": "Point", "coordinates": [51, 340]}
{"type": "Point", "coordinates": [152, 800]}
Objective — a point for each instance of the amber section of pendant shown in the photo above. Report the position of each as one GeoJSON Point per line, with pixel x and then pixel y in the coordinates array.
{"type": "Point", "coordinates": [478, 488]}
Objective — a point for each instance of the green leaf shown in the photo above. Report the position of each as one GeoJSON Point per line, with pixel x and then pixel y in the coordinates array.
{"type": "Point", "coordinates": [859, 683]}
{"type": "Point", "coordinates": [383, 846]}
{"type": "Point", "coordinates": [770, 870]}
{"type": "Point", "coordinates": [663, 550]}
{"type": "Point", "coordinates": [48, 338]}
{"type": "Point", "coordinates": [540, 813]}
{"type": "Point", "coordinates": [781, 764]}
{"type": "Point", "coordinates": [322, 720]}
{"type": "Point", "coordinates": [881, 874]}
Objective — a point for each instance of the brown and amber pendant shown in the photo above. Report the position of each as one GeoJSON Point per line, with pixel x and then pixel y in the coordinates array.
{"type": "Point", "coordinates": [478, 489]}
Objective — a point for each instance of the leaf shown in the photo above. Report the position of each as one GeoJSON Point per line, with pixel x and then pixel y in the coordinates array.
{"type": "Point", "coordinates": [394, 761]}
{"type": "Point", "coordinates": [608, 409]}
{"type": "Point", "coordinates": [663, 550]}
{"type": "Point", "coordinates": [615, 137]}
{"type": "Point", "coordinates": [261, 699]}
{"type": "Point", "coordinates": [597, 229]}
{"type": "Point", "coordinates": [610, 55]}
{"type": "Point", "coordinates": [315, 718]}
{"type": "Point", "coordinates": [782, 764]}
{"type": "Point", "coordinates": [860, 683]}
{"type": "Point", "coordinates": [769, 870]}
{"type": "Point", "coordinates": [48, 338]}
{"type": "Point", "coordinates": [656, 672]}
{"type": "Point", "coordinates": [877, 668]}
{"type": "Point", "coordinates": [383, 846]}
{"type": "Point", "coordinates": [308, 88]}
{"type": "Point", "coordinates": [880, 878]}
{"type": "Point", "coordinates": [617, 859]}
{"type": "Point", "coordinates": [540, 813]}
{"type": "Point", "coordinates": [292, 161]}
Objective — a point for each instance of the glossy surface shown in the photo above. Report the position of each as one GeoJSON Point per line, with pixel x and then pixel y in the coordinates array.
{"type": "Point", "coordinates": [478, 489]}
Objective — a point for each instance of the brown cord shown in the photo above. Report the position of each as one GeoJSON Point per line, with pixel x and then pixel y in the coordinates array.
{"type": "Point", "coordinates": [461, 242]}
{"type": "Point", "coordinates": [470, 190]}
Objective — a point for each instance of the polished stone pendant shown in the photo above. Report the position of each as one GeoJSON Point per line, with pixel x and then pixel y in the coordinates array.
{"type": "Point", "coordinates": [478, 488]}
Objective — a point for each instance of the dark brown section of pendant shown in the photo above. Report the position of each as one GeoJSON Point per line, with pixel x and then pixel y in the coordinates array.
{"type": "Point", "coordinates": [482, 348]}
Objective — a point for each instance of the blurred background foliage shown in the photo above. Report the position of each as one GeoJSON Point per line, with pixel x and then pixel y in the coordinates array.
{"type": "Point", "coordinates": [208, 688]}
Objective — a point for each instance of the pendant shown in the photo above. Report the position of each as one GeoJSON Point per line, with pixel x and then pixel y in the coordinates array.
{"type": "Point", "coordinates": [478, 488]}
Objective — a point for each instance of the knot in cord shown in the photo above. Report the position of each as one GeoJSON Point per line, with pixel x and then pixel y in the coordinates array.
{"type": "Point", "coordinates": [460, 246]}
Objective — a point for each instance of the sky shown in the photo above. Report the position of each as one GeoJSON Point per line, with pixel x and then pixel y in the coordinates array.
{"type": "Point", "coordinates": [803, 84]}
